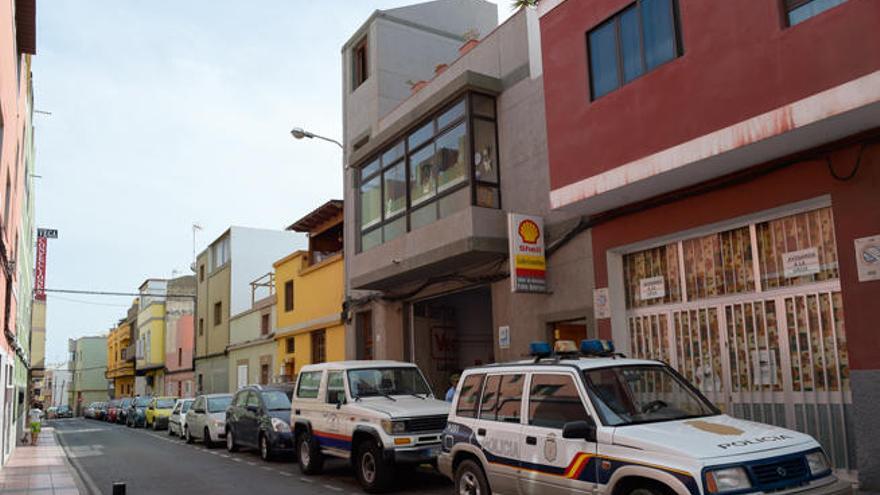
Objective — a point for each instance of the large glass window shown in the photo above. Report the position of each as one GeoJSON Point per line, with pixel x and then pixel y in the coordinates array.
{"type": "Point", "coordinates": [633, 42]}
{"type": "Point", "coordinates": [440, 167]}
{"type": "Point", "coordinates": [798, 11]}
{"type": "Point", "coordinates": [502, 398]}
{"type": "Point", "coordinates": [469, 397]}
{"type": "Point", "coordinates": [554, 401]}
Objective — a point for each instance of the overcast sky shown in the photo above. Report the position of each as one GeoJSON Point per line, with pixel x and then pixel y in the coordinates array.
{"type": "Point", "coordinates": [170, 112]}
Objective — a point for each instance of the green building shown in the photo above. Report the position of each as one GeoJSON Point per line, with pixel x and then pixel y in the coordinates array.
{"type": "Point", "coordinates": [88, 357]}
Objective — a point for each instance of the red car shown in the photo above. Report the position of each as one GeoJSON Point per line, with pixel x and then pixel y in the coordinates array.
{"type": "Point", "coordinates": [113, 409]}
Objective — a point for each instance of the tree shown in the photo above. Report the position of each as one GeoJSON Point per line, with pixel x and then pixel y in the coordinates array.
{"type": "Point", "coordinates": [518, 4]}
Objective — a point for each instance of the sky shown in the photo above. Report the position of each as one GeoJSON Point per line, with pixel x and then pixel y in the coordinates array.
{"type": "Point", "coordinates": [168, 113]}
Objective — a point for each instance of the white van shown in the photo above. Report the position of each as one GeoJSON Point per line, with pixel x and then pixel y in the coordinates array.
{"type": "Point", "coordinates": [595, 422]}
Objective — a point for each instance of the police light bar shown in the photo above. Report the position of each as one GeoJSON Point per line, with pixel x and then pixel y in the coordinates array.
{"type": "Point", "coordinates": [540, 349]}
{"type": "Point", "coordinates": [565, 347]}
{"type": "Point", "coordinates": [597, 347]}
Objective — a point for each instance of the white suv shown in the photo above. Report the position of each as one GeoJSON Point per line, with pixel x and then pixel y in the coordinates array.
{"type": "Point", "coordinates": [599, 423]}
{"type": "Point", "coordinates": [375, 413]}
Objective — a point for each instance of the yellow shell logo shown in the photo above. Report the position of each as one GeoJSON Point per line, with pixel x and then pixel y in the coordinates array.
{"type": "Point", "coordinates": [718, 429]}
{"type": "Point", "coordinates": [529, 232]}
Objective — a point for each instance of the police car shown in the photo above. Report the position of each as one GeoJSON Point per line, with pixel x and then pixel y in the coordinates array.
{"type": "Point", "coordinates": [594, 421]}
{"type": "Point", "coordinates": [376, 413]}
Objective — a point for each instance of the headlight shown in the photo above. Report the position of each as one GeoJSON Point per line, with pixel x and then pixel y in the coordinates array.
{"type": "Point", "coordinates": [818, 462]}
{"type": "Point", "coordinates": [727, 479]}
{"type": "Point", "coordinates": [393, 427]}
{"type": "Point", "coordinates": [219, 423]}
{"type": "Point", "coordinates": [280, 426]}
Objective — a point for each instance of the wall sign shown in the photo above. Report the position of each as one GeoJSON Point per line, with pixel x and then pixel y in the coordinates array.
{"type": "Point", "coordinates": [652, 288]}
{"type": "Point", "coordinates": [528, 266]}
{"type": "Point", "coordinates": [504, 337]}
{"type": "Point", "coordinates": [601, 304]}
{"type": "Point", "coordinates": [868, 258]}
{"type": "Point", "coordinates": [801, 263]}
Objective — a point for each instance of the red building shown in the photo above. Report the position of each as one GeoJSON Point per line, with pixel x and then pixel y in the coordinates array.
{"type": "Point", "coordinates": [727, 158]}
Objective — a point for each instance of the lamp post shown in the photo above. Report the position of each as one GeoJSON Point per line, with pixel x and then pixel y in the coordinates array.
{"type": "Point", "coordinates": [300, 133]}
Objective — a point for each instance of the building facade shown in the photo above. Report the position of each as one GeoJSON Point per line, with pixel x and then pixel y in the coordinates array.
{"type": "Point", "coordinates": [728, 165]}
{"type": "Point", "coordinates": [58, 378]}
{"type": "Point", "coordinates": [224, 271]}
{"type": "Point", "coordinates": [180, 337]}
{"type": "Point", "coordinates": [121, 360]}
{"type": "Point", "coordinates": [309, 290]}
{"type": "Point", "coordinates": [150, 364]}
{"type": "Point", "coordinates": [88, 360]}
{"type": "Point", "coordinates": [433, 181]}
{"type": "Point", "coordinates": [251, 343]}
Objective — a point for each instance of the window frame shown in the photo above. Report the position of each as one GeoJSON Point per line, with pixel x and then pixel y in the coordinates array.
{"type": "Point", "coordinates": [289, 296]}
{"type": "Point", "coordinates": [299, 383]}
{"type": "Point", "coordinates": [319, 353]}
{"type": "Point", "coordinates": [579, 388]}
{"type": "Point", "coordinates": [468, 119]}
{"type": "Point", "coordinates": [360, 71]}
{"type": "Point", "coordinates": [501, 376]}
{"type": "Point", "coordinates": [677, 46]}
{"type": "Point", "coordinates": [218, 313]}
{"type": "Point", "coordinates": [789, 6]}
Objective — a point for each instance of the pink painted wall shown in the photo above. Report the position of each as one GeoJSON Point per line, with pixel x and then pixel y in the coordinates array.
{"type": "Point", "coordinates": [179, 343]}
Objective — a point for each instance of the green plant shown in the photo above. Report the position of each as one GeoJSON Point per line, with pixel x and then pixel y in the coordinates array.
{"type": "Point", "coordinates": [518, 4]}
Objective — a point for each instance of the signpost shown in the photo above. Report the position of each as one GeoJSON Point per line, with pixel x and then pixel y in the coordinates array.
{"type": "Point", "coordinates": [528, 265]}
{"type": "Point", "coordinates": [43, 236]}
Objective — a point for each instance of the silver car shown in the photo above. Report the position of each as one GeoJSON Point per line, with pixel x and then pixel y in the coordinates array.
{"type": "Point", "coordinates": [178, 417]}
{"type": "Point", "coordinates": [206, 419]}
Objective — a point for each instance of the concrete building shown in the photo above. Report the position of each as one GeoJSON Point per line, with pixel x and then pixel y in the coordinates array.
{"type": "Point", "coordinates": [433, 178]}
{"type": "Point", "coordinates": [150, 350]}
{"type": "Point", "coordinates": [88, 360]}
{"type": "Point", "coordinates": [18, 42]}
{"type": "Point", "coordinates": [309, 288]}
{"type": "Point", "coordinates": [251, 344]}
{"type": "Point", "coordinates": [58, 379]}
{"type": "Point", "coordinates": [729, 169]}
{"type": "Point", "coordinates": [121, 356]}
{"type": "Point", "coordinates": [224, 271]}
{"type": "Point", "coordinates": [180, 337]}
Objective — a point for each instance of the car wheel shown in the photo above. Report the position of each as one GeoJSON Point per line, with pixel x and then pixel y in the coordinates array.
{"type": "Point", "coordinates": [470, 479]}
{"type": "Point", "coordinates": [310, 459]}
{"type": "Point", "coordinates": [155, 426]}
{"type": "Point", "coordinates": [646, 490]}
{"type": "Point", "coordinates": [265, 448]}
{"type": "Point", "coordinates": [209, 443]}
{"type": "Point", "coordinates": [230, 441]}
{"type": "Point", "coordinates": [188, 435]}
{"type": "Point", "coordinates": [373, 472]}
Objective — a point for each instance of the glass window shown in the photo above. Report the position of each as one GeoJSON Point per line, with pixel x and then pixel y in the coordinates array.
{"type": "Point", "coordinates": [488, 196]}
{"type": "Point", "coordinates": [308, 386]}
{"type": "Point", "coordinates": [402, 380]}
{"type": "Point", "coordinates": [554, 401]}
{"type": "Point", "coordinates": [371, 239]}
{"type": "Point", "coordinates": [370, 169]}
{"type": "Point", "coordinates": [395, 190]}
{"type": "Point", "coordinates": [603, 59]}
{"type": "Point", "coordinates": [393, 154]}
{"type": "Point", "coordinates": [253, 400]}
{"type": "Point", "coordinates": [718, 264]}
{"type": "Point", "coordinates": [652, 276]}
{"type": "Point", "coordinates": [799, 11]}
{"type": "Point", "coordinates": [335, 387]}
{"type": "Point", "coordinates": [659, 32]}
{"type": "Point", "coordinates": [395, 229]}
{"type": "Point", "coordinates": [371, 200]}
{"type": "Point", "coordinates": [485, 151]}
{"type": "Point", "coordinates": [219, 404]}
{"type": "Point", "coordinates": [276, 400]}
{"type": "Point", "coordinates": [423, 216]}
{"type": "Point", "coordinates": [423, 175]}
{"type": "Point", "coordinates": [483, 106]}
{"type": "Point", "coordinates": [630, 44]}
{"type": "Point", "coordinates": [420, 135]}
{"type": "Point", "coordinates": [502, 398]}
{"type": "Point", "coordinates": [451, 115]}
{"type": "Point", "coordinates": [469, 396]}
{"type": "Point", "coordinates": [449, 157]}
{"type": "Point", "coordinates": [808, 236]}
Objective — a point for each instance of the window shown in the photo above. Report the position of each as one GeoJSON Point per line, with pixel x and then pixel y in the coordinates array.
{"type": "Point", "coordinates": [264, 374]}
{"type": "Point", "coordinates": [201, 273]}
{"type": "Point", "coordinates": [218, 313]}
{"type": "Point", "coordinates": [554, 401]}
{"type": "Point", "coordinates": [798, 11]}
{"type": "Point", "coordinates": [469, 397]}
{"type": "Point", "coordinates": [360, 63]}
{"type": "Point", "coordinates": [7, 203]}
{"type": "Point", "coordinates": [633, 42]}
{"type": "Point", "coordinates": [335, 387]}
{"type": "Point", "coordinates": [308, 386]}
{"type": "Point", "coordinates": [288, 296]}
{"type": "Point", "coordinates": [290, 345]}
{"type": "Point", "coordinates": [201, 327]}
{"type": "Point", "coordinates": [319, 346]}
{"type": "Point", "coordinates": [264, 324]}
{"type": "Point", "coordinates": [220, 253]}
{"type": "Point", "coordinates": [502, 398]}
{"type": "Point", "coordinates": [240, 399]}
{"type": "Point", "coordinates": [179, 356]}
{"type": "Point", "coordinates": [430, 173]}
{"type": "Point", "coordinates": [364, 326]}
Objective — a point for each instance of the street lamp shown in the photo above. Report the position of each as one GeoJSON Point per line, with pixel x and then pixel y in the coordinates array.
{"type": "Point", "coordinates": [300, 133]}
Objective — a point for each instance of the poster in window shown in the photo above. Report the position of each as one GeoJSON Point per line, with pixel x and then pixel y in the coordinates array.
{"type": "Point", "coordinates": [801, 263]}
{"type": "Point", "coordinates": [652, 288]}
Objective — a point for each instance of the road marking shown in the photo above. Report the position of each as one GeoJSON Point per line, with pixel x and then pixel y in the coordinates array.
{"type": "Point", "coordinates": [306, 480]}
{"type": "Point", "coordinates": [267, 468]}
{"type": "Point", "coordinates": [334, 488]}
{"type": "Point", "coordinates": [252, 463]}
{"type": "Point", "coordinates": [225, 456]}
{"type": "Point", "coordinates": [282, 473]}
{"type": "Point", "coordinates": [236, 459]}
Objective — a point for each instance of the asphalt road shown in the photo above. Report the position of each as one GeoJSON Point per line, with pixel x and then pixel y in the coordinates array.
{"type": "Point", "coordinates": [153, 462]}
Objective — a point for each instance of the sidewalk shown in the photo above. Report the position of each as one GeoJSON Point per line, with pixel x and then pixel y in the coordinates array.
{"type": "Point", "coordinates": [40, 470]}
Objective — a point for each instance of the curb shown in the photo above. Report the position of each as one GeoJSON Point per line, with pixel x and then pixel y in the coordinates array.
{"type": "Point", "coordinates": [84, 482]}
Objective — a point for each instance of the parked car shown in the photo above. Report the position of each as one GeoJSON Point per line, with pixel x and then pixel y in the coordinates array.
{"type": "Point", "coordinates": [137, 412]}
{"type": "Point", "coordinates": [259, 417]}
{"type": "Point", "coordinates": [122, 413]}
{"type": "Point", "coordinates": [206, 419]}
{"type": "Point", "coordinates": [89, 411]}
{"type": "Point", "coordinates": [604, 424]}
{"type": "Point", "coordinates": [101, 411]}
{"type": "Point", "coordinates": [64, 412]}
{"type": "Point", "coordinates": [379, 414]}
{"type": "Point", "coordinates": [177, 420]}
{"type": "Point", "coordinates": [112, 410]}
{"type": "Point", "coordinates": [158, 412]}
{"type": "Point", "coordinates": [51, 412]}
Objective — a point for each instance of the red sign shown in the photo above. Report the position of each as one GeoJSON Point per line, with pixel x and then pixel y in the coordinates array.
{"type": "Point", "coordinates": [40, 271]}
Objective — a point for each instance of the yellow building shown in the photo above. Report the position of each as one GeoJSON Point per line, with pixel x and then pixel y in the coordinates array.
{"type": "Point", "coordinates": [151, 337]}
{"type": "Point", "coordinates": [120, 365]}
{"type": "Point", "coordinates": [310, 288]}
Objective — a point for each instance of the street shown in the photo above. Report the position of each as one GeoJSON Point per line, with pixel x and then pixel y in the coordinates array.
{"type": "Point", "coordinates": [154, 462]}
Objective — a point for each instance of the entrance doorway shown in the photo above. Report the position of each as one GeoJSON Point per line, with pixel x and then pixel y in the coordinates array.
{"type": "Point", "coordinates": [450, 333]}
{"type": "Point", "coordinates": [573, 330]}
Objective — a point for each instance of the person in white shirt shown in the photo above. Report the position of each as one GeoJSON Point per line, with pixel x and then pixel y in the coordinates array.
{"type": "Point", "coordinates": [35, 416]}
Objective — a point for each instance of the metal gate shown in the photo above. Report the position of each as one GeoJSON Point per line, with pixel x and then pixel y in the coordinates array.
{"type": "Point", "coordinates": [776, 357]}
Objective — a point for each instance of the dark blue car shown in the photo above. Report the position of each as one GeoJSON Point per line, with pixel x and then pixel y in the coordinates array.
{"type": "Point", "coordinates": [259, 418]}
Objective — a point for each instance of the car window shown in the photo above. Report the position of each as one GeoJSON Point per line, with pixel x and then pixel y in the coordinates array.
{"type": "Point", "coordinates": [186, 406]}
{"type": "Point", "coordinates": [308, 386]}
{"type": "Point", "coordinates": [276, 400]}
{"type": "Point", "coordinates": [165, 403]}
{"type": "Point", "coordinates": [469, 398]}
{"type": "Point", "coordinates": [176, 409]}
{"type": "Point", "coordinates": [240, 399]}
{"type": "Point", "coordinates": [199, 404]}
{"type": "Point", "coordinates": [335, 387]}
{"type": "Point", "coordinates": [502, 398]}
{"type": "Point", "coordinates": [554, 401]}
{"type": "Point", "coordinates": [218, 404]}
{"type": "Point", "coordinates": [253, 400]}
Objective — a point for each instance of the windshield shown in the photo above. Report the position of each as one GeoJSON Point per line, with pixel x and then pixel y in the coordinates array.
{"type": "Point", "coordinates": [165, 403]}
{"type": "Point", "coordinates": [126, 402]}
{"type": "Point", "coordinates": [387, 381]}
{"type": "Point", "coordinates": [218, 404]}
{"type": "Point", "coordinates": [628, 395]}
{"type": "Point", "coordinates": [142, 402]}
{"type": "Point", "coordinates": [186, 405]}
{"type": "Point", "coordinates": [276, 400]}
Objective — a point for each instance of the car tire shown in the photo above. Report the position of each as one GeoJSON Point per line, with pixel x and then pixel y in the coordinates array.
{"type": "Point", "coordinates": [187, 435]}
{"type": "Point", "coordinates": [230, 441]}
{"type": "Point", "coordinates": [310, 459]}
{"type": "Point", "coordinates": [470, 479]}
{"type": "Point", "coordinates": [209, 443]}
{"type": "Point", "coordinates": [155, 426]}
{"type": "Point", "coordinates": [646, 490]}
{"type": "Point", "coordinates": [265, 448]}
{"type": "Point", "coordinates": [373, 472]}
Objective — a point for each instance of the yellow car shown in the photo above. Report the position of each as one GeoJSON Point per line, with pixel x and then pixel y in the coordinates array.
{"type": "Point", "coordinates": [158, 412]}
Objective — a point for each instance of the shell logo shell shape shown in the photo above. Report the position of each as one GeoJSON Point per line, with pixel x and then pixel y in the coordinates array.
{"type": "Point", "coordinates": [529, 231]}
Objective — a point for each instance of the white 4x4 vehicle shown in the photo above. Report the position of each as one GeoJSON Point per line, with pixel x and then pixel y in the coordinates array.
{"type": "Point", "coordinates": [376, 413]}
{"type": "Point", "coordinates": [610, 425]}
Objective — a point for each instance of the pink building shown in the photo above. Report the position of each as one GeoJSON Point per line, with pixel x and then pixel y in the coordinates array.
{"type": "Point", "coordinates": [179, 338]}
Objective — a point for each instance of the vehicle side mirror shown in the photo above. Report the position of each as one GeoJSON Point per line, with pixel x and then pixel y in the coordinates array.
{"type": "Point", "coordinates": [584, 430]}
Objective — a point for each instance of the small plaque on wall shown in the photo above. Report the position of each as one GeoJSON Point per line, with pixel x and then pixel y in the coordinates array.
{"type": "Point", "coordinates": [868, 258]}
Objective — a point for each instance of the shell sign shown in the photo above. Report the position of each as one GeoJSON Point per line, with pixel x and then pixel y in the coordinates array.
{"type": "Point", "coordinates": [528, 266]}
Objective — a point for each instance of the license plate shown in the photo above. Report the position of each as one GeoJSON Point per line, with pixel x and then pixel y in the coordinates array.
{"type": "Point", "coordinates": [431, 452]}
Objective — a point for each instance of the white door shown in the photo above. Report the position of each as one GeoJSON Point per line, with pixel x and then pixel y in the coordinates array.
{"type": "Point", "coordinates": [242, 376]}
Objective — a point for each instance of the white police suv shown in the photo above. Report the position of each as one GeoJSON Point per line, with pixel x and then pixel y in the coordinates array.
{"type": "Point", "coordinates": [375, 413]}
{"type": "Point", "coordinates": [595, 422]}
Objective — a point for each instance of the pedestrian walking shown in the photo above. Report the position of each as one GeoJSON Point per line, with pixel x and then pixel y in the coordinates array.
{"type": "Point", "coordinates": [35, 417]}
